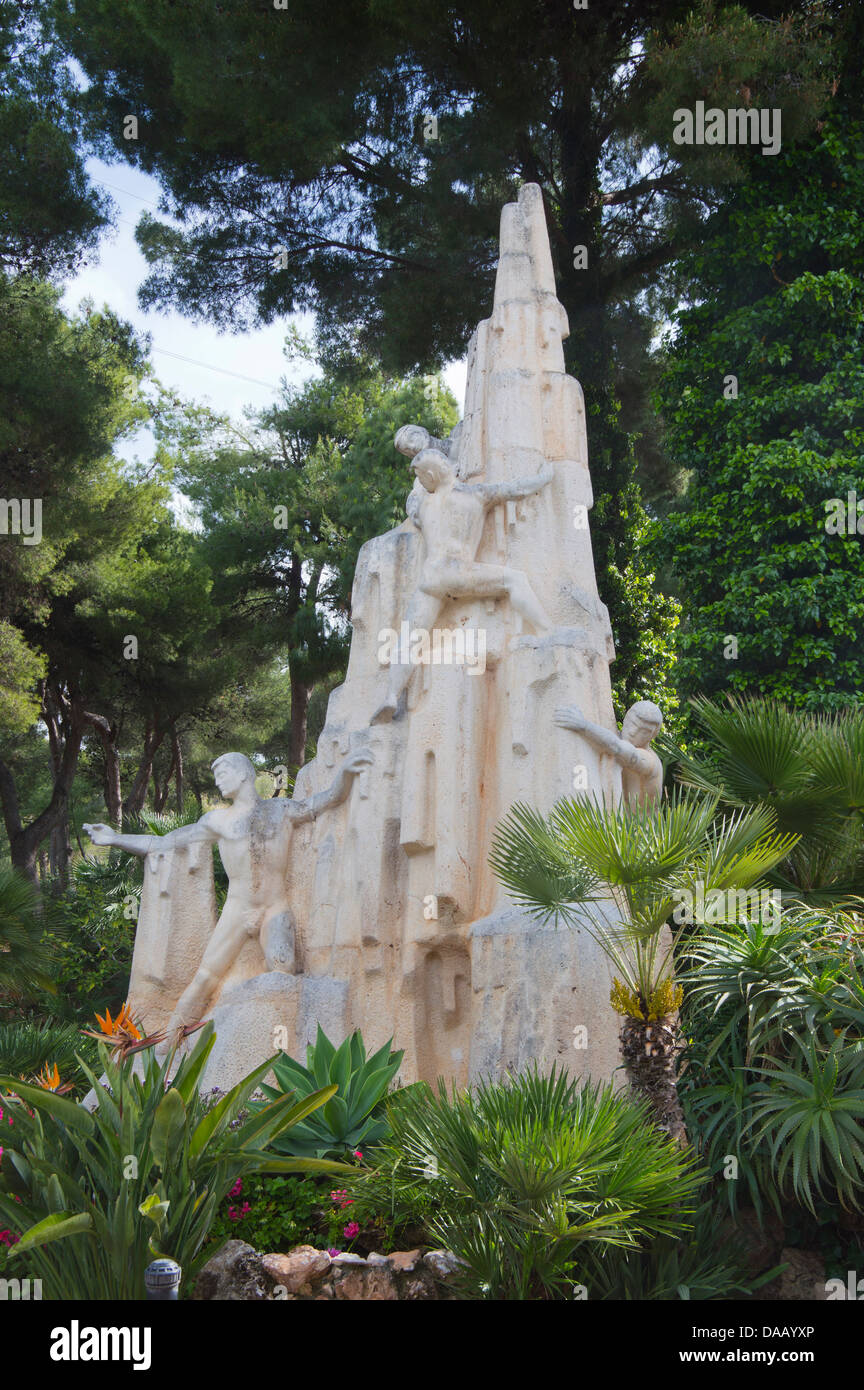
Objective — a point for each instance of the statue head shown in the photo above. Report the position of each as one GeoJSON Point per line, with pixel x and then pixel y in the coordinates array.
{"type": "Point", "coordinates": [642, 722]}
{"type": "Point", "coordinates": [432, 468]}
{"type": "Point", "coordinates": [411, 439]}
{"type": "Point", "coordinates": [231, 772]}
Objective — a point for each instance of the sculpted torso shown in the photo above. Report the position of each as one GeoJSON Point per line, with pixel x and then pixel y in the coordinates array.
{"type": "Point", "coordinates": [452, 523]}
{"type": "Point", "coordinates": [255, 848]}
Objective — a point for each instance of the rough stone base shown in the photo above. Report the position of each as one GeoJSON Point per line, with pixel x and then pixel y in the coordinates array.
{"type": "Point", "coordinates": [237, 1273]}
{"type": "Point", "coordinates": [270, 1012]}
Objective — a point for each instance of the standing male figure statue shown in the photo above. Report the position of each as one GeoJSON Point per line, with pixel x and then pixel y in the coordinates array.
{"type": "Point", "coordinates": [254, 838]}
{"type": "Point", "coordinates": [450, 516]}
{"type": "Point", "coordinates": [641, 769]}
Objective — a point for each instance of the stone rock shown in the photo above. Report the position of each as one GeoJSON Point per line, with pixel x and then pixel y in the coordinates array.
{"type": "Point", "coordinates": [404, 1261]}
{"type": "Point", "coordinates": [443, 1263]}
{"type": "Point", "coordinates": [235, 1274]}
{"type": "Point", "coordinates": [802, 1281]}
{"type": "Point", "coordinates": [239, 1273]}
{"type": "Point", "coordinates": [301, 1267]}
{"type": "Point", "coordinates": [369, 1283]}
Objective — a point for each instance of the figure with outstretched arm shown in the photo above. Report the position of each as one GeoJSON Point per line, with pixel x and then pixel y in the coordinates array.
{"type": "Point", "coordinates": [450, 516]}
{"type": "Point", "coordinates": [254, 840]}
{"type": "Point", "coordinates": [641, 768]}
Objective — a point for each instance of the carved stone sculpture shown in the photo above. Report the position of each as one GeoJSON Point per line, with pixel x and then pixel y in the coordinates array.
{"type": "Point", "coordinates": [450, 517]}
{"type": "Point", "coordinates": [641, 769]}
{"type": "Point", "coordinates": [397, 924]}
{"type": "Point", "coordinates": [254, 839]}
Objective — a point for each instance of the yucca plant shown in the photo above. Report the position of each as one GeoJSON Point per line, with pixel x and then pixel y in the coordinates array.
{"type": "Point", "coordinates": [812, 1116]}
{"type": "Point", "coordinates": [807, 768]}
{"type": "Point", "coordinates": [102, 1193]}
{"type": "Point", "coordinates": [526, 1174]}
{"type": "Point", "coordinates": [775, 1043]}
{"type": "Point", "coordinates": [355, 1113]}
{"type": "Point", "coordinates": [621, 873]}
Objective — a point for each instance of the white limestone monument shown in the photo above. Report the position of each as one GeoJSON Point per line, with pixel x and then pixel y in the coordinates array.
{"type": "Point", "coordinates": [367, 900]}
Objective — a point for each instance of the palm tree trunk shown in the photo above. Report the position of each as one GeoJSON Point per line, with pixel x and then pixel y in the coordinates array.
{"type": "Point", "coordinates": [648, 1050]}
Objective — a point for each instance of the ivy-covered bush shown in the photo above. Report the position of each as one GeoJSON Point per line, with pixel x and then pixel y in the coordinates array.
{"type": "Point", "coordinates": [763, 399]}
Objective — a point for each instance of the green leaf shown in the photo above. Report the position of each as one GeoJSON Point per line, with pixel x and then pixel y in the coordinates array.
{"type": "Point", "coordinates": [54, 1227]}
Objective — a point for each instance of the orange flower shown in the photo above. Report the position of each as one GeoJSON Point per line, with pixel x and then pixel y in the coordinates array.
{"type": "Point", "coordinates": [50, 1080]}
{"type": "Point", "coordinates": [120, 1027]}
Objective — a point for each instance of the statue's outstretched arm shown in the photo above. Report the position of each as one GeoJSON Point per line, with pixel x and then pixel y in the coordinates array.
{"type": "Point", "coordinates": [145, 844]}
{"type": "Point", "coordinates": [494, 493]}
{"type": "Point", "coordinates": [311, 808]}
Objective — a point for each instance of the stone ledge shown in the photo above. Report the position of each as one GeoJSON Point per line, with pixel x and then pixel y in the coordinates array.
{"type": "Point", "coordinates": [239, 1273]}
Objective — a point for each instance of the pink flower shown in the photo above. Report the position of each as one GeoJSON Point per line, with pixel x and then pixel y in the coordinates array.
{"type": "Point", "coordinates": [333, 1252]}
{"type": "Point", "coordinates": [351, 1230]}
{"type": "Point", "coordinates": [340, 1198]}
{"type": "Point", "coordinates": [357, 1153]}
{"type": "Point", "coordinates": [237, 1188]}
{"type": "Point", "coordinates": [8, 1237]}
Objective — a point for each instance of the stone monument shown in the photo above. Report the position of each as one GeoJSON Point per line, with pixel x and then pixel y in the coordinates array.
{"type": "Point", "coordinates": [473, 622]}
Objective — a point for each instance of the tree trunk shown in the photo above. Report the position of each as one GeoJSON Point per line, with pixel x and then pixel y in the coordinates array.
{"type": "Point", "coordinates": [134, 802]}
{"type": "Point", "coordinates": [65, 720]}
{"type": "Point", "coordinates": [300, 695]}
{"type": "Point", "coordinates": [177, 753]}
{"type": "Point", "coordinates": [108, 734]}
{"type": "Point", "coordinates": [648, 1050]}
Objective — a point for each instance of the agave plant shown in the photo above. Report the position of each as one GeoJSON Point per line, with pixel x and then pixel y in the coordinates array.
{"type": "Point", "coordinates": [807, 768]}
{"type": "Point", "coordinates": [97, 1195]}
{"type": "Point", "coordinates": [355, 1114]}
{"type": "Point", "coordinates": [529, 1174]}
{"type": "Point", "coordinates": [622, 873]}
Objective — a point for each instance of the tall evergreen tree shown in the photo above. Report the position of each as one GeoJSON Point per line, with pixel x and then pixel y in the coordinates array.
{"type": "Point", "coordinates": [355, 161]}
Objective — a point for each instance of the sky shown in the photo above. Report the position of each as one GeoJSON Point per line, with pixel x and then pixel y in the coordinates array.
{"type": "Point", "coordinates": [228, 371]}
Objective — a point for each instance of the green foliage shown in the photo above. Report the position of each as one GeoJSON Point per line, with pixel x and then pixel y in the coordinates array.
{"type": "Point", "coordinates": [355, 1113]}
{"type": "Point", "coordinates": [389, 231]}
{"type": "Point", "coordinates": [528, 1174]}
{"type": "Point", "coordinates": [776, 299]}
{"type": "Point", "coordinates": [93, 936]}
{"type": "Point", "coordinates": [620, 871]}
{"type": "Point", "coordinates": [24, 958]}
{"type": "Point", "coordinates": [283, 1212]}
{"type": "Point", "coordinates": [807, 768]}
{"type": "Point", "coordinates": [26, 1046]}
{"type": "Point", "coordinates": [141, 1177]}
{"type": "Point", "coordinates": [773, 1073]}
{"type": "Point", "coordinates": [700, 1265]}
{"type": "Point", "coordinates": [50, 215]}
